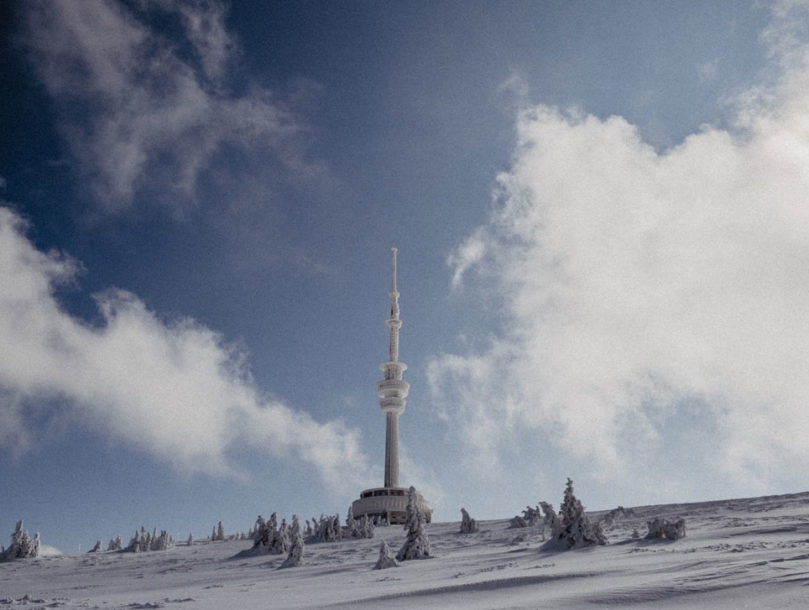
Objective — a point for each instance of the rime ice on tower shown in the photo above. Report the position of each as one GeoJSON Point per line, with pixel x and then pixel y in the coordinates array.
{"type": "Point", "coordinates": [390, 501]}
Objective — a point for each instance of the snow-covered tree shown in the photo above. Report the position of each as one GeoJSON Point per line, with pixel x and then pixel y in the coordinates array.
{"type": "Point", "coordinates": [386, 558]}
{"type": "Point", "coordinates": [190, 540]}
{"type": "Point", "coordinates": [22, 545]}
{"type": "Point", "coordinates": [161, 541]}
{"type": "Point", "coordinates": [96, 548]}
{"type": "Point", "coordinates": [573, 528]}
{"type": "Point", "coordinates": [144, 541]}
{"type": "Point", "coordinates": [116, 544]}
{"type": "Point", "coordinates": [417, 543]}
{"type": "Point", "coordinates": [468, 524]}
{"type": "Point", "coordinates": [220, 531]}
{"type": "Point", "coordinates": [366, 527]}
{"type": "Point", "coordinates": [295, 556]}
{"type": "Point", "coordinates": [551, 520]}
{"type": "Point", "coordinates": [531, 515]}
{"type": "Point", "coordinates": [328, 528]}
{"type": "Point", "coordinates": [280, 542]}
{"type": "Point", "coordinates": [351, 524]}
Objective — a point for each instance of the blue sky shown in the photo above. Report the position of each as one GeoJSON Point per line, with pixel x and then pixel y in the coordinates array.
{"type": "Point", "coordinates": [602, 229]}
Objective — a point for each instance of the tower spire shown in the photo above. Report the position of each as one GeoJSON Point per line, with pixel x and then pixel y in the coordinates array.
{"type": "Point", "coordinates": [392, 390]}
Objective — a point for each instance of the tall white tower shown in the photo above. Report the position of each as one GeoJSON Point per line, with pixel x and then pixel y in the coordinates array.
{"type": "Point", "coordinates": [393, 389]}
{"type": "Point", "coordinates": [389, 503]}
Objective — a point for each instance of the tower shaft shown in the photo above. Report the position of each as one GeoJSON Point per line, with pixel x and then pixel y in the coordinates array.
{"type": "Point", "coordinates": [392, 390]}
{"type": "Point", "coordinates": [392, 450]}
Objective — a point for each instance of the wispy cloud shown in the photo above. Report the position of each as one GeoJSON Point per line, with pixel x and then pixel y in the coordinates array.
{"type": "Point", "coordinates": [175, 388]}
{"type": "Point", "coordinates": [143, 114]}
{"type": "Point", "coordinates": [636, 282]}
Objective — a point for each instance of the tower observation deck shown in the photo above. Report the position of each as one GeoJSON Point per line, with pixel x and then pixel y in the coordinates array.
{"type": "Point", "coordinates": [390, 501]}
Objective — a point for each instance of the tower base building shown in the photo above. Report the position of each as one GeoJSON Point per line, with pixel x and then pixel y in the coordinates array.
{"type": "Point", "coordinates": [389, 504]}
{"type": "Point", "coordinates": [390, 501]}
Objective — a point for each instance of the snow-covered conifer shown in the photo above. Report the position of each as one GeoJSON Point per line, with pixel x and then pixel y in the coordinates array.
{"type": "Point", "coordinates": [468, 524]}
{"type": "Point", "coordinates": [116, 544]}
{"type": "Point", "coordinates": [573, 528]}
{"type": "Point", "coordinates": [551, 520]}
{"type": "Point", "coordinates": [161, 541]}
{"type": "Point", "coordinates": [295, 556]}
{"type": "Point", "coordinates": [34, 552]}
{"type": "Point", "coordinates": [190, 540]}
{"type": "Point", "coordinates": [96, 548]}
{"type": "Point", "coordinates": [22, 545]}
{"type": "Point", "coordinates": [417, 543]}
{"type": "Point", "coordinates": [531, 515]}
{"type": "Point", "coordinates": [351, 525]}
{"type": "Point", "coordinates": [329, 529]}
{"type": "Point", "coordinates": [366, 527]}
{"type": "Point", "coordinates": [386, 558]}
{"type": "Point", "coordinates": [220, 531]}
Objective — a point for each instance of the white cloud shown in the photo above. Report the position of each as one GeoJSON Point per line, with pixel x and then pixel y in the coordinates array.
{"type": "Point", "coordinates": [144, 114]}
{"type": "Point", "coordinates": [636, 282]}
{"type": "Point", "coordinates": [174, 389]}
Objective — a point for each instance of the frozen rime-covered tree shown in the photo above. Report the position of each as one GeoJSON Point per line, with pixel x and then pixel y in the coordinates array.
{"type": "Point", "coordinates": [190, 540]}
{"type": "Point", "coordinates": [116, 544]}
{"type": "Point", "coordinates": [351, 524]}
{"type": "Point", "coordinates": [468, 524]}
{"type": "Point", "coordinates": [96, 548]}
{"type": "Point", "coordinates": [220, 531]}
{"type": "Point", "coordinates": [417, 542]}
{"type": "Point", "coordinates": [295, 556]}
{"type": "Point", "coordinates": [22, 545]}
{"type": "Point", "coordinates": [329, 529]}
{"type": "Point", "coordinates": [144, 541]}
{"type": "Point", "coordinates": [161, 541]}
{"type": "Point", "coordinates": [386, 558]}
{"type": "Point", "coordinates": [551, 519]}
{"type": "Point", "coordinates": [366, 527]}
{"type": "Point", "coordinates": [573, 528]}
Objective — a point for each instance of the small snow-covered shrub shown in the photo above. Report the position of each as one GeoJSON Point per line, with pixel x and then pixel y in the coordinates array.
{"type": "Point", "coordinates": [22, 545]}
{"type": "Point", "coordinates": [417, 543]}
{"type": "Point", "coordinates": [468, 524]}
{"type": "Point", "coordinates": [386, 558]}
{"type": "Point", "coordinates": [517, 522]}
{"type": "Point", "coordinates": [660, 528]}
{"type": "Point", "coordinates": [571, 528]}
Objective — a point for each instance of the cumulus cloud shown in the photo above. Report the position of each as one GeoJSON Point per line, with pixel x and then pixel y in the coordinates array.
{"type": "Point", "coordinates": [143, 113]}
{"type": "Point", "coordinates": [175, 389]}
{"type": "Point", "coordinates": [637, 283]}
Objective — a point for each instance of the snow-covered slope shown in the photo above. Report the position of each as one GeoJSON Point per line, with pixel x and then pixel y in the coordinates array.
{"type": "Point", "coordinates": [751, 553]}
